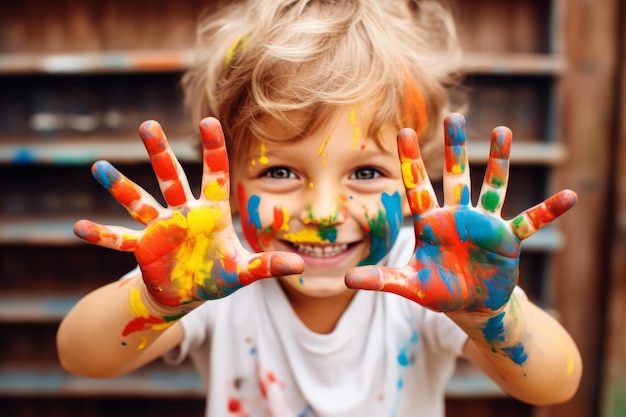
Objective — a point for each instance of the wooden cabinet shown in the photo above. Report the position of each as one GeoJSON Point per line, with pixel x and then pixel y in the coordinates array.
{"type": "Point", "coordinates": [77, 79]}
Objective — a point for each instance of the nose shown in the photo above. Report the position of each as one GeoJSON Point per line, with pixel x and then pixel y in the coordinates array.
{"type": "Point", "coordinates": [326, 206]}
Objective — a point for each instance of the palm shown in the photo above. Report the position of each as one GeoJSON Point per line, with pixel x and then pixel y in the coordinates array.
{"type": "Point", "coordinates": [189, 250]}
{"type": "Point", "coordinates": [466, 258]}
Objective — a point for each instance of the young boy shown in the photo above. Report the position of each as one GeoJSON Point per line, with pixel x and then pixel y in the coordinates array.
{"type": "Point", "coordinates": [312, 95]}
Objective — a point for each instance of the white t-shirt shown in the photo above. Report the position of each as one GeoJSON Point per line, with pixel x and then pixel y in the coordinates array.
{"type": "Point", "coordinates": [388, 356]}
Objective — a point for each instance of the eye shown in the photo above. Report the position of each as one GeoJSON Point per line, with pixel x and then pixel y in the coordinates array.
{"type": "Point", "coordinates": [279, 173]}
{"type": "Point", "coordinates": [365, 174]}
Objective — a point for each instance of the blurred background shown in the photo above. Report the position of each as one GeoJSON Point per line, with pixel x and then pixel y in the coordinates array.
{"type": "Point", "coordinates": [77, 77]}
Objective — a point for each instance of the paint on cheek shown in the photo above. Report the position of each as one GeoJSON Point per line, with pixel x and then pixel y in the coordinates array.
{"type": "Point", "coordinates": [247, 224]}
{"type": "Point", "coordinates": [384, 228]}
{"type": "Point", "coordinates": [253, 211]}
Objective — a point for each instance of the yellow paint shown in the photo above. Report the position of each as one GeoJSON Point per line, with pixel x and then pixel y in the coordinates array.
{"type": "Point", "coordinates": [355, 139]}
{"type": "Point", "coordinates": [191, 261]}
{"type": "Point", "coordinates": [143, 341]}
{"type": "Point", "coordinates": [311, 185]}
{"type": "Point", "coordinates": [137, 307]}
{"type": "Point", "coordinates": [357, 131]}
{"type": "Point", "coordinates": [254, 264]}
{"type": "Point", "coordinates": [322, 150]}
{"type": "Point", "coordinates": [305, 235]}
{"type": "Point", "coordinates": [456, 169]}
{"type": "Point", "coordinates": [214, 191]}
{"type": "Point", "coordinates": [458, 193]}
{"type": "Point", "coordinates": [162, 326]}
{"type": "Point", "coordinates": [263, 159]}
{"type": "Point", "coordinates": [420, 294]}
{"type": "Point", "coordinates": [407, 175]}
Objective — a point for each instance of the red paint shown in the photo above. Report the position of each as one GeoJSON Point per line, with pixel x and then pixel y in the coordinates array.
{"type": "Point", "coordinates": [125, 192]}
{"type": "Point", "coordinates": [215, 156]}
{"type": "Point", "coordinates": [419, 201]}
{"type": "Point", "coordinates": [408, 145]}
{"type": "Point", "coordinates": [175, 194]}
{"type": "Point", "coordinates": [234, 405]}
{"type": "Point", "coordinates": [164, 167]}
{"type": "Point", "coordinates": [249, 230]}
{"type": "Point", "coordinates": [145, 214]}
{"type": "Point", "coordinates": [140, 323]}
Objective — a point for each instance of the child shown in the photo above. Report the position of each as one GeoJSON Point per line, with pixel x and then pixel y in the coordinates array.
{"type": "Point", "coordinates": [312, 95]}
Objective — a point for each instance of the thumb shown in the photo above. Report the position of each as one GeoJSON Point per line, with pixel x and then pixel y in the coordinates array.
{"type": "Point", "coordinates": [271, 264]}
{"type": "Point", "coordinates": [366, 278]}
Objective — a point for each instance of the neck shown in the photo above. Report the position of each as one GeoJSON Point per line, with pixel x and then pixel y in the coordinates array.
{"type": "Point", "coordinates": [318, 314]}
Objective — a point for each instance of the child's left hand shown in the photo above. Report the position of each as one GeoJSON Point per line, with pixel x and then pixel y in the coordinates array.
{"type": "Point", "coordinates": [466, 258]}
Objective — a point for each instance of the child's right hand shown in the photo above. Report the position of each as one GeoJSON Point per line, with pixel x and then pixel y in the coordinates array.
{"type": "Point", "coordinates": [189, 250]}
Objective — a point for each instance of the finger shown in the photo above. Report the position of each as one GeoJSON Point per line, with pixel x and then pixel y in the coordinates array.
{"type": "Point", "coordinates": [419, 190]}
{"type": "Point", "coordinates": [113, 237]}
{"type": "Point", "coordinates": [139, 203]}
{"type": "Point", "coordinates": [170, 175]}
{"type": "Point", "coordinates": [497, 174]}
{"type": "Point", "coordinates": [456, 179]}
{"type": "Point", "coordinates": [533, 219]}
{"type": "Point", "coordinates": [215, 179]}
{"type": "Point", "coordinates": [271, 264]}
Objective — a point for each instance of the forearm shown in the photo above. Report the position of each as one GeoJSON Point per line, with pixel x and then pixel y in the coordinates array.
{"type": "Point", "coordinates": [108, 333]}
{"type": "Point", "coordinates": [525, 351]}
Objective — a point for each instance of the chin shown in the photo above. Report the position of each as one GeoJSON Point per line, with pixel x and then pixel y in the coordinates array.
{"type": "Point", "coordinates": [315, 286]}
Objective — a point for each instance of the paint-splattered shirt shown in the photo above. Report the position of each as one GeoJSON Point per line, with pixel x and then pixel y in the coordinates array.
{"type": "Point", "coordinates": [387, 356]}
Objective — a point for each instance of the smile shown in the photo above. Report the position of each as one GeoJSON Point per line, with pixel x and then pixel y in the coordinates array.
{"type": "Point", "coordinates": [325, 251]}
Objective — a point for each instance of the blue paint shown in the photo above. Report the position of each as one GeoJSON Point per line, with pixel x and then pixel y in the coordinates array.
{"type": "Point", "coordinates": [516, 353]}
{"type": "Point", "coordinates": [494, 328]}
{"type": "Point", "coordinates": [253, 211]}
{"type": "Point", "coordinates": [105, 174]}
{"type": "Point", "coordinates": [456, 130]}
{"type": "Point", "coordinates": [465, 195]}
{"type": "Point", "coordinates": [497, 295]}
{"type": "Point", "coordinates": [385, 229]}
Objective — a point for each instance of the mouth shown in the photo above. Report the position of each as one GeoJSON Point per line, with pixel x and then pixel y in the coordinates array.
{"type": "Point", "coordinates": [320, 251]}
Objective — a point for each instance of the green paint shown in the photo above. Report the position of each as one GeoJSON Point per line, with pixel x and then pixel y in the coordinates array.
{"type": "Point", "coordinates": [491, 200]}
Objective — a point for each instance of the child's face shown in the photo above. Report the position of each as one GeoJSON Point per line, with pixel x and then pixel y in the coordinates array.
{"type": "Point", "coordinates": [336, 198]}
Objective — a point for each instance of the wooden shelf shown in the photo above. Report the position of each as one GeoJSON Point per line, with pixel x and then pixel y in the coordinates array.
{"type": "Point", "coordinates": [187, 149]}
{"type": "Point", "coordinates": [35, 309]}
{"type": "Point", "coordinates": [513, 64]}
{"type": "Point", "coordinates": [175, 60]}
{"type": "Point", "coordinates": [95, 62]}
{"type": "Point", "coordinates": [64, 152]}
{"type": "Point", "coordinates": [182, 381]}
{"type": "Point", "coordinates": [59, 232]}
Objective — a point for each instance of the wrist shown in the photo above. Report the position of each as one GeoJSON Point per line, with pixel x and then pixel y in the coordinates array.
{"type": "Point", "coordinates": [149, 314]}
{"type": "Point", "coordinates": [502, 330]}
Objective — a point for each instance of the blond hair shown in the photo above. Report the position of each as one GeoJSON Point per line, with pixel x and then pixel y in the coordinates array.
{"type": "Point", "coordinates": [278, 69]}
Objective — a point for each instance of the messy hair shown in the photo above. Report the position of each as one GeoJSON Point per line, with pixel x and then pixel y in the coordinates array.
{"type": "Point", "coordinates": [277, 70]}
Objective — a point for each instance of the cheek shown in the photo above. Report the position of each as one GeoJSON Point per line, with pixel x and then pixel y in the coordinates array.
{"type": "Point", "coordinates": [260, 221]}
{"type": "Point", "coordinates": [383, 226]}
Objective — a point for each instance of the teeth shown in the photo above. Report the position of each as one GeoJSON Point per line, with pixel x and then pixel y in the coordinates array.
{"type": "Point", "coordinates": [321, 251]}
